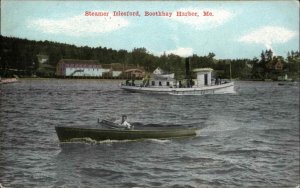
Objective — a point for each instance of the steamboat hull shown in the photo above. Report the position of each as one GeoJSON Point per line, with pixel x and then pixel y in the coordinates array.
{"type": "Point", "coordinates": [216, 89]}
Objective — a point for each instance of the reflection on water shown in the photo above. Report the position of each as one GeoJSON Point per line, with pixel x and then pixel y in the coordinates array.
{"type": "Point", "coordinates": [250, 138]}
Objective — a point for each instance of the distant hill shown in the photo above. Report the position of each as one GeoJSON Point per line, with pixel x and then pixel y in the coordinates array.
{"type": "Point", "coordinates": [27, 57]}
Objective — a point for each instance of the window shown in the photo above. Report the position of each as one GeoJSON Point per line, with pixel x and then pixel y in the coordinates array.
{"type": "Point", "coordinates": [153, 83]}
{"type": "Point", "coordinates": [159, 83]}
{"type": "Point", "coordinates": [205, 79]}
{"type": "Point", "coordinates": [168, 83]}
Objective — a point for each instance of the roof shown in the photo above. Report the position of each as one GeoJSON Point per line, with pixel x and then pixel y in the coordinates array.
{"type": "Point", "coordinates": [158, 70]}
{"type": "Point", "coordinates": [131, 70]}
{"type": "Point", "coordinates": [78, 61]}
{"type": "Point", "coordinates": [114, 66]}
{"type": "Point", "coordinates": [164, 76]}
{"type": "Point", "coordinates": [203, 70]}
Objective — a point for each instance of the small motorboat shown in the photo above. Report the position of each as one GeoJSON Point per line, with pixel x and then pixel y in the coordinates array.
{"type": "Point", "coordinates": [107, 130]}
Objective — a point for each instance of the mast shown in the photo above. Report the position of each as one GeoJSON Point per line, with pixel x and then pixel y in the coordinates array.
{"type": "Point", "coordinates": [230, 69]}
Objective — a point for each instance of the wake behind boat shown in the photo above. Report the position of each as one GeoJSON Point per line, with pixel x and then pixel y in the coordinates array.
{"type": "Point", "coordinates": [108, 130]}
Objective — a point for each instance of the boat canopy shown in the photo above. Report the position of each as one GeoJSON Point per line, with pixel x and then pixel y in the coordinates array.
{"type": "Point", "coordinates": [163, 76]}
{"type": "Point", "coordinates": [203, 70]}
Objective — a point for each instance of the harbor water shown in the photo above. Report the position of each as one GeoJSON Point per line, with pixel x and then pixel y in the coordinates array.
{"type": "Point", "coordinates": [246, 139]}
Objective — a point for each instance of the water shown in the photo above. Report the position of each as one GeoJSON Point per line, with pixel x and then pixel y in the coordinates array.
{"type": "Point", "coordinates": [247, 139]}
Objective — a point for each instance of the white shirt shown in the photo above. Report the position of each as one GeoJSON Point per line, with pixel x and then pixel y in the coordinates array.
{"type": "Point", "coordinates": [124, 124]}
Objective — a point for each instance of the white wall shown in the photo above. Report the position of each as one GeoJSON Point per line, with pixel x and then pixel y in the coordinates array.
{"type": "Point", "coordinates": [116, 73]}
{"type": "Point", "coordinates": [163, 83]}
{"type": "Point", "coordinates": [201, 79]}
{"type": "Point", "coordinates": [86, 71]}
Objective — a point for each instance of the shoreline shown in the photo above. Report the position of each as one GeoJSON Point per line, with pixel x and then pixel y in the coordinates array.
{"type": "Point", "coordinates": [116, 79]}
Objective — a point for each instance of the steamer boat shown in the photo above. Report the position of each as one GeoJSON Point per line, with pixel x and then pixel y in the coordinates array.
{"type": "Point", "coordinates": [166, 84]}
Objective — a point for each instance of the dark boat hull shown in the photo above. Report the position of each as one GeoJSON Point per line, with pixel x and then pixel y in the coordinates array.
{"type": "Point", "coordinates": [66, 134]}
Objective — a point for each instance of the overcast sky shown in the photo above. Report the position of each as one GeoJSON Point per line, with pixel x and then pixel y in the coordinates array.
{"type": "Point", "coordinates": [235, 29]}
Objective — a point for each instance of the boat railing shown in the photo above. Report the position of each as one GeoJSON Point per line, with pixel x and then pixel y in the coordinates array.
{"type": "Point", "coordinates": [214, 82]}
{"type": "Point", "coordinates": [219, 81]}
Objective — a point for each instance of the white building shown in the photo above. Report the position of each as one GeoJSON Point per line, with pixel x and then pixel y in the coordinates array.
{"type": "Point", "coordinates": [80, 68]}
{"type": "Point", "coordinates": [42, 58]}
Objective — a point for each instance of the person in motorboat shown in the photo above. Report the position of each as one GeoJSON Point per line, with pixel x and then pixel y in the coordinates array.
{"type": "Point", "coordinates": [124, 123]}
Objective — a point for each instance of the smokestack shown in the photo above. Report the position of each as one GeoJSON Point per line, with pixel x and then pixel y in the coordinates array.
{"type": "Point", "coordinates": [187, 68]}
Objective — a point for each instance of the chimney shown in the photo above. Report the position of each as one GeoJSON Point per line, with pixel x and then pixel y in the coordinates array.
{"type": "Point", "coordinates": [187, 68]}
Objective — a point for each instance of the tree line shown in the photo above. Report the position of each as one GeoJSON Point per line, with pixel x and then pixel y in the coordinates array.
{"type": "Point", "coordinates": [21, 57]}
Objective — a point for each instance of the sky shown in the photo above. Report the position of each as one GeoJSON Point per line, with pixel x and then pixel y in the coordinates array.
{"type": "Point", "coordinates": [230, 29]}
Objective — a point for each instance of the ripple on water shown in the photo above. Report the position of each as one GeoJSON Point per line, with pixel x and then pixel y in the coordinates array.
{"type": "Point", "coordinates": [247, 139]}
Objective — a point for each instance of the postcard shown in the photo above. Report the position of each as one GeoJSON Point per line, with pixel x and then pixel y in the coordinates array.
{"type": "Point", "coordinates": [149, 93]}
